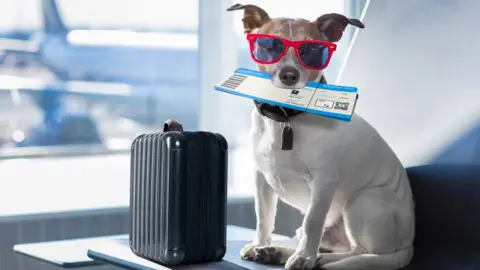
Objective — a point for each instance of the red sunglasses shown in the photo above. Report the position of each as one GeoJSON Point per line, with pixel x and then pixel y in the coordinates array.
{"type": "Point", "coordinates": [269, 49]}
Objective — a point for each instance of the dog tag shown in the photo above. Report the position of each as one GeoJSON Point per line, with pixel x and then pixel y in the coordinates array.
{"type": "Point", "coordinates": [287, 138]}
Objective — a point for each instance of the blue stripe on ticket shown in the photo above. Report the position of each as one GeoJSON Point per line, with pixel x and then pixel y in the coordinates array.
{"type": "Point", "coordinates": [343, 117]}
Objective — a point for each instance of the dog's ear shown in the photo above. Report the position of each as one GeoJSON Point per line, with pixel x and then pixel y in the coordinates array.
{"type": "Point", "coordinates": [253, 16]}
{"type": "Point", "coordinates": [332, 25]}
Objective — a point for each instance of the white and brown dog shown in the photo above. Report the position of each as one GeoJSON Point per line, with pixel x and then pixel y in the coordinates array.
{"type": "Point", "coordinates": [343, 176]}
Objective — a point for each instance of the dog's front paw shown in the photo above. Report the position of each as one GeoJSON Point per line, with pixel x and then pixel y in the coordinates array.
{"type": "Point", "coordinates": [270, 255]}
{"type": "Point", "coordinates": [301, 261]}
{"type": "Point", "coordinates": [248, 252]}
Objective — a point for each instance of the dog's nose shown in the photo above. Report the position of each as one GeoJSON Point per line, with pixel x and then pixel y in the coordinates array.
{"type": "Point", "coordinates": [289, 75]}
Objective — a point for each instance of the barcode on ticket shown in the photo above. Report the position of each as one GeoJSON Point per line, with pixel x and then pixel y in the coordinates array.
{"type": "Point", "coordinates": [341, 106]}
{"type": "Point", "coordinates": [234, 81]}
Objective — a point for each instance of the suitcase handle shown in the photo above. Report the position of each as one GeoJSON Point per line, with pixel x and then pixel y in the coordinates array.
{"type": "Point", "coordinates": [172, 125]}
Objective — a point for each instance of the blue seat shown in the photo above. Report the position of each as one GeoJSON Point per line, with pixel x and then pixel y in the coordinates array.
{"type": "Point", "coordinates": [447, 206]}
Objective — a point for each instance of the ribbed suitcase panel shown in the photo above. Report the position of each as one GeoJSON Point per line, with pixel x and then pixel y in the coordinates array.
{"type": "Point", "coordinates": [178, 197]}
{"type": "Point", "coordinates": [145, 195]}
{"type": "Point", "coordinates": [172, 206]}
{"type": "Point", "coordinates": [218, 190]}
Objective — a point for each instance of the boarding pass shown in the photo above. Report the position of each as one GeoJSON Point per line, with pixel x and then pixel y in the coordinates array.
{"type": "Point", "coordinates": [324, 99]}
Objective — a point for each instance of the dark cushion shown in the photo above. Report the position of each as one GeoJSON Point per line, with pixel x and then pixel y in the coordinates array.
{"type": "Point", "coordinates": [447, 210]}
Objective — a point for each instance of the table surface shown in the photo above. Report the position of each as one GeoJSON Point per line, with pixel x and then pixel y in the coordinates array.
{"type": "Point", "coordinates": [73, 253]}
{"type": "Point", "coordinates": [117, 252]}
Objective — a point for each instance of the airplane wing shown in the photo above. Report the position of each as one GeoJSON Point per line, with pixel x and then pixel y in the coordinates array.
{"type": "Point", "coordinates": [78, 88]}
{"type": "Point", "coordinates": [25, 49]}
{"type": "Point", "coordinates": [18, 46]}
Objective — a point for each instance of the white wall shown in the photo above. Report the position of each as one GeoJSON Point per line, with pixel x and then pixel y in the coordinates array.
{"type": "Point", "coordinates": [416, 66]}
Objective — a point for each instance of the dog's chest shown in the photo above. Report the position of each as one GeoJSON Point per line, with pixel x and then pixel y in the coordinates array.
{"type": "Point", "coordinates": [284, 169]}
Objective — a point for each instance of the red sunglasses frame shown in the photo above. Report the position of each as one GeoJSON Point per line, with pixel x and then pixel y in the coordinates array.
{"type": "Point", "coordinates": [251, 37]}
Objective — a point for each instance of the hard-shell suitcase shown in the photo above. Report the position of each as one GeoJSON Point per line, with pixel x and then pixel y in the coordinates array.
{"type": "Point", "coordinates": [178, 196]}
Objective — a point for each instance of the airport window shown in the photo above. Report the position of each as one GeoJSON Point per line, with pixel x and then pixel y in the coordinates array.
{"type": "Point", "coordinates": [78, 84]}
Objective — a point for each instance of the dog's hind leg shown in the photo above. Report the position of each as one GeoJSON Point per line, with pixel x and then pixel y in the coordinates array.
{"type": "Point", "coordinates": [325, 244]}
{"type": "Point", "coordinates": [326, 258]}
{"type": "Point", "coordinates": [272, 254]}
{"type": "Point", "coordinates": [380, 229]}
{"type": "Point", "coordinates": [391, 261]}
{"type": "Point", "coordinates": [334, 238]}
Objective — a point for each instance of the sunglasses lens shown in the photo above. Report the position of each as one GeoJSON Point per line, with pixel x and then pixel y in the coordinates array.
{"type": "Point", "coordinates": [267, 49]}
{"type": "Point", "coordinates": [313, 54]}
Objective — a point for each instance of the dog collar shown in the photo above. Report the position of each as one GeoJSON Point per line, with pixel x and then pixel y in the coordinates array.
{"type": "Point", "coordinates": [279, 113]}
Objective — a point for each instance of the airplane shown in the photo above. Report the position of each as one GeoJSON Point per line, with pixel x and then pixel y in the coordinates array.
{"type": "Point", "coordinates": [128, 68]}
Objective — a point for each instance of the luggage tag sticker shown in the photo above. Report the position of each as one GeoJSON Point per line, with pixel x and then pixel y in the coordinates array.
{"type": "Point", "coordinates": [328, 100]}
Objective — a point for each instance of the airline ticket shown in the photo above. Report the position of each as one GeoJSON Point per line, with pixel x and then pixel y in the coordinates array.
{"type": "Point", "coordinates": [324, 99]}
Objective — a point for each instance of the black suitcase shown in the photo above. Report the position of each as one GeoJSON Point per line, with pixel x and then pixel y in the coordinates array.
{"type": "Point", "coordinates": [178, 196]}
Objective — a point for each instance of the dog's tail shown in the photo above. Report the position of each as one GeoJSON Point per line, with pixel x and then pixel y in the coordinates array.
{"type": "Point", "coordinates": [391, 261]}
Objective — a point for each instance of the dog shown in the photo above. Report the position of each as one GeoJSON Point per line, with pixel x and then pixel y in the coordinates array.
{"type": "Point", "coordinates": [349, 184]}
